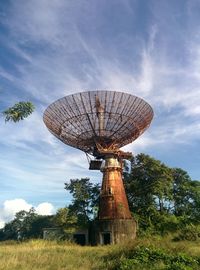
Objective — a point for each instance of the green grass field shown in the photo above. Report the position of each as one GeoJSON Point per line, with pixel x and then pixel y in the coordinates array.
{"type": "Point", "coordinates": [142, 254]}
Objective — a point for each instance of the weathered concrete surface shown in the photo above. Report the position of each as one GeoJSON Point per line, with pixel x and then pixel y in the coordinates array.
{"type": "Point", "coordinates": [120, 230]}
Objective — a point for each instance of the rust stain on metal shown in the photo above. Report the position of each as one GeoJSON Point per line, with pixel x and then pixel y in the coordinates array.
{"type": "Point", "coordinates": [113, 201]}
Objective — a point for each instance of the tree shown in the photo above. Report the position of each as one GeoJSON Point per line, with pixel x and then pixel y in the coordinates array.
{"type": "Point", "coordinates": [19, 111]}
{"type": "Point", "coordinates": [20, 227]}
{"type": "Point", "coordinates": [26, 225]}
{"type": "Point", "coordinates": [195, 195]}
{"type": "Point", "coordinates": [39, 223]}
{"type": "Point", "coordinates": [66, 220]}
{"type": "Point", "coordinates": [161, 197]}
{"type": "Point", "coordinates": [181, 192]}
{"type": "Point", "coordinates": [148, 187]}
{"type": "Point", "coordinates": [85, 199]}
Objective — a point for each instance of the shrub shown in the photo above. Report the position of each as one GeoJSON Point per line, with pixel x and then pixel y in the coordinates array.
{"type": "Point", "coordinates": [189, 233]}
{"type": "Point", "coordinates": [156, 258]}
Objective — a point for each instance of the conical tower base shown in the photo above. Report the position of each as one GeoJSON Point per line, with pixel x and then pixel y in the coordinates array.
{"type": "Point", "coordinates": [115, 223]}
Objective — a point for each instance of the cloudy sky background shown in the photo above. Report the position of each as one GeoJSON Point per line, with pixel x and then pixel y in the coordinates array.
{"type": "Point", "coordinates": [49, 49]}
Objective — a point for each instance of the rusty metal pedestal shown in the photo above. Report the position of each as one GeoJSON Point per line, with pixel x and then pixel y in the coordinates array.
{"type": "Point", "coordinates": [115, 223]}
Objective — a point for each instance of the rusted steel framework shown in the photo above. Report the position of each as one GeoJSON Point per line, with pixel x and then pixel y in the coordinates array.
{"type": "Point", "coordinates": [98, 122]}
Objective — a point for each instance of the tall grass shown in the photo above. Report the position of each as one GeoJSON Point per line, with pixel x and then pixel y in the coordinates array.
{"type": "Point", "coordinates": [140, 254]}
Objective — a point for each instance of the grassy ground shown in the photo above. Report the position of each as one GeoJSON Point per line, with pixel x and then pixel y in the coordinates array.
{"type": "Point", "coordinates": [142, 254]}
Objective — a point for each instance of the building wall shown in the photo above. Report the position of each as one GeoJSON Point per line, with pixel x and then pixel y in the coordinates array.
{"type": "Point", "coordinates": [120, 230]}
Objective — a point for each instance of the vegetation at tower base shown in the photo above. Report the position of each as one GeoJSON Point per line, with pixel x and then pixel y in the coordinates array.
{"type": "Point", "coordinates": [163, 200]}
{"type": "Point", "coordinates": [19, 111]}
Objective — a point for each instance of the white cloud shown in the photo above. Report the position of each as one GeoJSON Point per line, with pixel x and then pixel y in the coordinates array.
{"type": "Point", "coordinates": [45, 209]}
{"type": "Point", "coordinates": [2, 224]}
{"type": "Point", "coordinates": [11, 207]}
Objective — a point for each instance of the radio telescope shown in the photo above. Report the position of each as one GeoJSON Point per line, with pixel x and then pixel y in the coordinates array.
{"type": "Point", "coordinates": [100, 123]}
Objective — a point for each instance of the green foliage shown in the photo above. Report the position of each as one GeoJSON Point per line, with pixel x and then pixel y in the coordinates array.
{"type": "Point", "coordinates": [26, 225]}
{"type": "Point", "coordinates": [162, 199]}
{"type": "Point", "coordinates": [189, 232]}
{"type": "Point", "coordinates": [85, 199]}
{"type": "Point", "coordinates": [20, 227]}
{"type": "Point", "coordinates": [186, 195]}
{"type": "Point", "coordinates": [148, 186]}
{"type": "Point", "coordinates": [66, 220]}
{"type": "Point", "coordinates": [155, 257]}
{"type": "Point", "coordinates": [19, 111]}
{"type": "Point", "coordinates": [38, 224]}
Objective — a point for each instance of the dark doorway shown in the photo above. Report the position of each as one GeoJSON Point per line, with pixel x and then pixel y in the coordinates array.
{"type": "Point", "coordinates": [106, 238]}
{"type": "Point", "coordinates": [80, 239]}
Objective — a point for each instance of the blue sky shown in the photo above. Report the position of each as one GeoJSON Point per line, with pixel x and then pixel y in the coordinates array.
{"type": "Point", "coordinates": [49, 49]}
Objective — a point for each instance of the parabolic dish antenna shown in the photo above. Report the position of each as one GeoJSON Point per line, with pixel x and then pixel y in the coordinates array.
{"type": "Point", "coordinates": [98, 121]}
